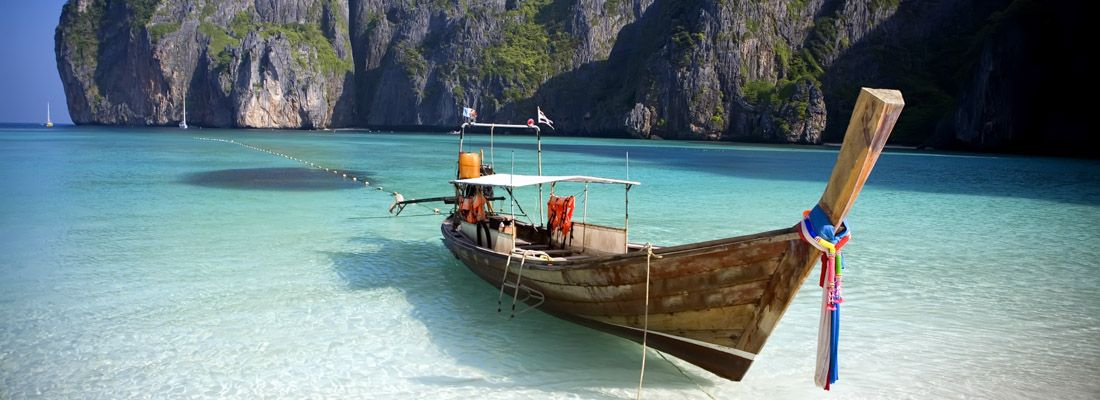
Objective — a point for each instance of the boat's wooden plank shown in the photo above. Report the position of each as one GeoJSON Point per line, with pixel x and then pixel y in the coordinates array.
{"type": "Point", "coordinates": [722, 337]}
{"type": "Point", "coordinates": [676, 265]}
{"type": "Point", "coordinates": [747, 293]}
{"type": "Point", "coordinates": [733, 317]}
{"type": "Point", "coordinates": [730, 276]}
{"type": "Point", "coordinates": [632, 272]}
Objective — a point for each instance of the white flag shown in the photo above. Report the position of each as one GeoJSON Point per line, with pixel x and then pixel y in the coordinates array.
{"type": "Point", "coordinates": [468, 112]}
{"type": "Point", "coordinates": [543, 119]}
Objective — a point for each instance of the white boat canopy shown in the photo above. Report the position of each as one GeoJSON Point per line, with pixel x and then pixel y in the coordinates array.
{"type": "Point", "coordinates": [514, 181]}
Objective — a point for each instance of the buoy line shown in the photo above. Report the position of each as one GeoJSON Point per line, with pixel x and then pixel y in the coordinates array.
{"type": "Point", "coordinates": [335, 171]}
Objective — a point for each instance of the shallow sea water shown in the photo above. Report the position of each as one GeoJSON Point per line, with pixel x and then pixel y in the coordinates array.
{"type": "Point", "coordinates": [146, 263]}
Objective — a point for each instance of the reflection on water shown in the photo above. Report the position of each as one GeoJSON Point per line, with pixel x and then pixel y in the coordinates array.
{"type": "Point", "coordinates": [304, 179]}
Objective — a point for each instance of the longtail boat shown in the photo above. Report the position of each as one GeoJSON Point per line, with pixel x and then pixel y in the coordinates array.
{"type": "Point", "coordinates": [711, 303]}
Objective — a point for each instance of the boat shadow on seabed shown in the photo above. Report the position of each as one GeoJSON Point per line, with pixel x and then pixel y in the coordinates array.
{"type": "Point", "coordinates": [531, 351]}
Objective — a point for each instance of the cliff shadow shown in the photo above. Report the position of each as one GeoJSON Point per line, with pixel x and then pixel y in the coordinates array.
{"type": "Point", "coordinates": [597, 95]}
{"type": "Point", "coordinates": [208, 103]}
{"type": "Point", "coordinates": [975, 75]}
{"type": "Point", "coordinates": [533, 351]}
{"type": "Point", "coordinates": [345, 110]}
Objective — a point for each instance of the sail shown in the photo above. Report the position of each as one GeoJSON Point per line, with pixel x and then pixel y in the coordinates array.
{"type": "Point", "coordinates": [183, 124]}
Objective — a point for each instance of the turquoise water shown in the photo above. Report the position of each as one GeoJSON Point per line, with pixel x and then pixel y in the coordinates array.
{"type": "Point", "coordinates": [137, 263]}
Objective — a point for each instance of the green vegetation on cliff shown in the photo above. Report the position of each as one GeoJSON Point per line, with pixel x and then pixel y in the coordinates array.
{"type": "Point", "coordinates": [803, 66]}
{"type": "Point", "coordinates": [535, 46]}
{"type": "Point", "coordinates": [219, 43]}
{"type": "Point", "coordinates": [684, 42]}
{"type": "Point", "coordinates": [140, 12]}
{"type": "Point", "coordinates": [223, 40]}
{"type": "Point", "coordinates": [309, 35]}
{"type": "Point", "coordinates": [159, 31]}
{"type": "Point", "coordinates": [81, 30]}
{"type": "Point", "coordinates": [413, 60]}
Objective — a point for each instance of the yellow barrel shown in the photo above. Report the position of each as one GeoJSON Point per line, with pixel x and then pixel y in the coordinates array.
{"type": "Point", "coordinates": [469, 165]}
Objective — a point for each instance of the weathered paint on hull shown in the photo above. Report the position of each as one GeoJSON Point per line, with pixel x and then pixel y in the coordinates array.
{"type": "Point", "coordinates": [703, 297]}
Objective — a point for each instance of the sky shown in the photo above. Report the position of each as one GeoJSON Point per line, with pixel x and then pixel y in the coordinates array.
{"type": "Point", "coordinates": [28, 69]}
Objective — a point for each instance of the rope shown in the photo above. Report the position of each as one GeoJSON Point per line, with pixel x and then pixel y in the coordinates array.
{"type": "Point", "coordinates": [697, 385]}
{"type": "Point", "coordinates": [829, 240]}
{"type": "Point", "coordinates": [335, 171]}
{"type": "Point", "coordinates": [645, 319]}
{"type": "Point", "coordinates": [395, 216]}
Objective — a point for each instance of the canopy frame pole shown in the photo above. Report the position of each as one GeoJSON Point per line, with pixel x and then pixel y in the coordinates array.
{"type": "Point", "coordinates": [538, 141]}
{"type": "Point", "coordinates": [584, 219]}
{"type": "Point", "coordinates": [458, 167]}
{"type": "Point", "coordinates": [492, 152]}
{"type": "Point", "coordinates": [461, 138]}
{"type": "Point", "coordinates": [512, 210]}
{"type": "Point", "coordinates": [626, 219]}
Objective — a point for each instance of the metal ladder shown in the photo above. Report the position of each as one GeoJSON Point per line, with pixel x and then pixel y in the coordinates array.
{"type": "Point", "coordinates": [529, 292]}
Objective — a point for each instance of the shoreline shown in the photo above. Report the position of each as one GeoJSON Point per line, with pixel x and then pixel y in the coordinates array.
{"type": "Point", "coordinates": [435, 130]}
{"type": "Point", "coordinates": [888, 146]}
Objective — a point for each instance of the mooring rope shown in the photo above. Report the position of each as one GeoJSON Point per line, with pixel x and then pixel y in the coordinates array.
{"type": "Point", "coordinates": [343, 174]}
{"type": "Point", "coordinates": [645, 319]}
{"type": "Point", "coordinates": [697, 385]}
{"type": "Point", "coordinates": [394, 216]}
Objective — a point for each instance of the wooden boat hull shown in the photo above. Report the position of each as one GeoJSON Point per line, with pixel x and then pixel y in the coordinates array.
{"type": "Point", "coordinates": [714, 303]}
{"type": "Point", "coordinates": [707, 301]}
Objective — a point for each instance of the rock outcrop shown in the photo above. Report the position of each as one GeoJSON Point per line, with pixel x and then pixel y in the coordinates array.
{"type": "Point", "coordinates": [767, 70]}
{"type": "Point", "coordinates": [269, 64]}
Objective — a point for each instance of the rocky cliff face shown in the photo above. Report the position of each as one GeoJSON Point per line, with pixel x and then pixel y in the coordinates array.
{"type": "Point", "coordinates": [276, 64]}
{"type": "Point", "coordinates": [766, 70]}
{"type": "Point", "coordinates": [678, 69]}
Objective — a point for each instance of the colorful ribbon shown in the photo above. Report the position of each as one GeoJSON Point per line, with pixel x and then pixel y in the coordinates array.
{"type": "Point", "coordinates": [829, 242]}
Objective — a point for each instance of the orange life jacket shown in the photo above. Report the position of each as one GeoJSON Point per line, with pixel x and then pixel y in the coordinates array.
{"type": "Point", "coordinates": [559, 213]}
{"type": "Point", "coordinates": [475, 208]}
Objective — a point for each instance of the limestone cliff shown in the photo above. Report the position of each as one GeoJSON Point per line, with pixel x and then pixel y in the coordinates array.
{"type": "Point", "coordinates": [681, 69]}
{"type": "Point", "coordinates": [277, 64]}
{"type": "Point", "coordinates": [764, 70]}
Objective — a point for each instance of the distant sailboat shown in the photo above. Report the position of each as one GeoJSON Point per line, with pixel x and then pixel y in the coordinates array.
{"type": "Point", "coordinates": [183, 124]}
{"type": "Point", "coordinates": [49, 123]}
